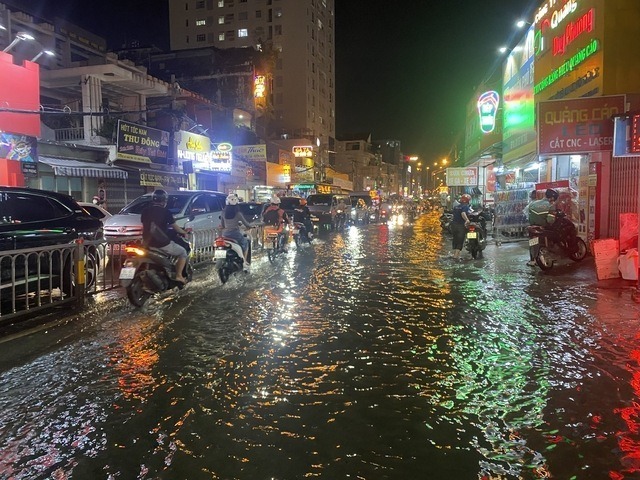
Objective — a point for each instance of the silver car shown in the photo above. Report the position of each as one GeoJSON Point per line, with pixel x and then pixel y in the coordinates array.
{"type": "Point", "coordinates": [201, 208]}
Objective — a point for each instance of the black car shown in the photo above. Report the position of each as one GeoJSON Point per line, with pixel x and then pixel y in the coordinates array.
{"type": "Point", "coordinates": [252, 211]}
{"type": "Point", "coordinates": [31, 218]}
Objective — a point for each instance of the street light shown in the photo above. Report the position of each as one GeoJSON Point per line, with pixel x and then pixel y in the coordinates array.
{"type": "Point", "coordinates": [43, 52]}
{"type": "Point", "coordinates": [20, 36]}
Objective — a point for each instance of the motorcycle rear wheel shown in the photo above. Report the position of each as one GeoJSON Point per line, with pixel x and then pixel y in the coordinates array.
{"type": "Point", "coordinates": [581, 251]}
{"type": "Point", "coordinates": [136, 293]}
{"type": "Point", "coordinates": [543, 259]}
{"type": "Point", "coordinates": [224, 274]}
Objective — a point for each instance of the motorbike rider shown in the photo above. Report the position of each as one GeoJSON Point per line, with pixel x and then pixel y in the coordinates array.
{"type": "Point", "coordinates": [459, 223]}
{"type": "Point", "coordinates": [301, 214]}
{"type": "Point", "coordinates": [231, 220]}
{"type": "Point", "coordinates": [539, 212]}
{"type": "Point", "coordinates": [276, 217]}
{"type": "Point", "coordinates": [156, 223]}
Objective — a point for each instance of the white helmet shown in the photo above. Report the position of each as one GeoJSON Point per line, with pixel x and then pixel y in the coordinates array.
{"type": "Point", "coordinates": [232, 199]}
{"type": "Point", "coordinates": [275, 200]}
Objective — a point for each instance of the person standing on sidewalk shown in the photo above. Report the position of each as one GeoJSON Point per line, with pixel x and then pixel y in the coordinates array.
{"type": "Point", "coordinates": [459, 224]}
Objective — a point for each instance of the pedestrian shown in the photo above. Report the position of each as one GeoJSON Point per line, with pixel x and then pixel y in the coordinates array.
{"type": "Point", "coordinates": [459, 224]}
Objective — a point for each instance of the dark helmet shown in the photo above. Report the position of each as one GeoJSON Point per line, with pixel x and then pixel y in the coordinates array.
{"type": "Point", "coordinates": [551, 194]}
{"type": "Point", "coordinates": [159, 196]}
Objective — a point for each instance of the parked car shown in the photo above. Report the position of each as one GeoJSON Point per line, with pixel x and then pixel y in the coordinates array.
{"type": "Point", "coordinates": [323, 208]}
{"type": "Point", "coordinates": [204, 207]}
{"type": "Point", "coordinates": [31, 218]}
{"type": "Point", "coordinates": [96, 211]}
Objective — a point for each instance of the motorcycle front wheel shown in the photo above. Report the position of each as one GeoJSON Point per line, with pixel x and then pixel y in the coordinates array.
{"type": "Point", "coordinates": [580, 252]}
{"type": "Point", "coordinates": [296, 238]}
{"type": "Point", "coordinates": [272, 252]}
{"type": "Point", "coordinates": [136, 293]}
{"type": "Point", "coordinates": [543, 259]}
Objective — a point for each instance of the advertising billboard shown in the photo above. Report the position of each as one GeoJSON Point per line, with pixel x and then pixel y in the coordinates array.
{"type": "Point", "coordinates": [206, 157]}
{"type": "Point", "coordinates": [139, 143]}
{"type": "Point", "coordinates": [569, 49]}
{"type": "Point", "coordinates": [579, 125]}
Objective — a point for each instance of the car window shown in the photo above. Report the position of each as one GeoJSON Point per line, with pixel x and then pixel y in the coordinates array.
{"type": "Point", "coordinates": [319, 200]}
{"type": "Point", "coordinates": [216, 203]}
{"type": "Point", "coordinates": [94, 212]}
{"type": "Point", "coordinates": [175, 204]}
{"type": "Point", "coordinates": [199, 205]}
{"type": "Point", "coordinates": [289, 203]}
{"type": "Point", "coordinates": [23, 208]}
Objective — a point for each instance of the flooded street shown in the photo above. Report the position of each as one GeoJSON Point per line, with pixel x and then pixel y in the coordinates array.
{"type": "Point", "coordinates": [368, 355]}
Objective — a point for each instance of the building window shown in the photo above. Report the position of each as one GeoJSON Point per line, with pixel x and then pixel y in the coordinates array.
{"type": "Point", "coordinates": [221, 37]}
{"type": "Point", "coordinates": [258, 13]}
{"type": "Point", "coordinates": [243, 1]}
{"type": "Point", "coordinates": [220, 3]}
{"type": "Point", "coordinates": [243, 32]}
{"type": "Point", "coordinates": [186, 22]}
{"type": "Point", "coordinates": [279, 81]}
{"type": "Point", "coordinates": [221, 20]}
{"type": "Point", "coordinates": [201, 23]}
{"type": "Point", "coordinates": [243, 16]}
{"type": "Point", "coordinates": [278, 30]}
{"type": "Point", "coordinates": [201, 37]}
{"type": "Point", "coordinates": [277, 12]}
{"type": "Point", "coordinates": [200, 4]}
{"type": "Point", "coordinates": [186, 6]}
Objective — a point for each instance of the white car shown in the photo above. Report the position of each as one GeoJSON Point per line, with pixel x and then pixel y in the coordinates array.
{"type": "Point", "coordinates": [96, 211]}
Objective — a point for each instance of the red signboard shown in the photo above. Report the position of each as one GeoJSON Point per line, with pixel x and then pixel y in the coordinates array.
{"type": "Point", "coordinates": [20, 96]}
{"type": "Point", "coordinates": [580, 125]}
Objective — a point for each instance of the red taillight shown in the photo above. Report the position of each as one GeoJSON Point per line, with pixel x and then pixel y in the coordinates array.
{"type": "Point", "coordinates": [220, 242]}
{"type": "Point", "coordinates": [472, 228]}
{"type": "Point", "coordinates": [383, 212]}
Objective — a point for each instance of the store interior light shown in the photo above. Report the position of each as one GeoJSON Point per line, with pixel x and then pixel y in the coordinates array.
{"type": "Point", "coordinates": [522, 23]}
{"type": "Point", "coordinates": [532, 167]}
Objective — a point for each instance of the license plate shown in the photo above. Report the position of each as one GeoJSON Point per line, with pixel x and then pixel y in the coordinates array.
{"type": "Point", "coordinates": [127, 273]}
{"type": "Point", "coordinates": [472, 235]}
{"type": "Point", "coordinates": [534, 241]}
{"type": "Point", "coordinates": [220, 253]}
{"type": "Point", "coordinates": [268, 245]}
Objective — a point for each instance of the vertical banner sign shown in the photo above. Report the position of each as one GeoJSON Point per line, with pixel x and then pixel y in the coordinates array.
{"type": "Point", "coordinates": [580, 125]}
{"type": "Point", "coordinates": [488, 109]}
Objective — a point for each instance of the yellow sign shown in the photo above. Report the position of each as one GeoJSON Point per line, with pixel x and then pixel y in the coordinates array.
{"type": "Point", "coordinates": [260, 87]}
{"type": "Point", "coordinates": [324, 189]}
{"type": "Point", "coordinates": [302, 151]}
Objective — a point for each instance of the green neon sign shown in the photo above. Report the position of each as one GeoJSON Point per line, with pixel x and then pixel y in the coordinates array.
{"type": "Point", "coordinates": [568, 66]}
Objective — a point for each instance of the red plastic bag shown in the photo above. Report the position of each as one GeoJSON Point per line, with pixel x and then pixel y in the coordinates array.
{"type": "Point", "coordinates": [628, 231]}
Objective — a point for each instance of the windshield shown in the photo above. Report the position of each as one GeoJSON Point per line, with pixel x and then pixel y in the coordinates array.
{"type": "Point", "coordinates": [175, 204]}
{"type": "Point", "coordinates": [324, 200]}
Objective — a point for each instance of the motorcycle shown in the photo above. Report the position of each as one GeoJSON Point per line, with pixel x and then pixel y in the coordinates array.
{"type": "Point", "coordinates": [445, 221]}
{"type": "Point", "coordinates": [229, 258]}
{"type": "Point", "coordinates": [300, 234]}
{"type": "Point", "coordinates": [476, 235]}
{"type": "Point", "coordinates": [147, 271]}
{"type": "Point", "coordinates": [274, 242]}
{"type": "Point", "coordinates": [384, 216]}
{"type": "Point", "coordinates": [560, 239]}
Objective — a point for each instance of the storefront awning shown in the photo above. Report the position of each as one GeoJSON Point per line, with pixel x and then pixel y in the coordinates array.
{"type": "Point", "coordinates": [521, 162]}
{"type": "Point", "coordinates": [77, 168]}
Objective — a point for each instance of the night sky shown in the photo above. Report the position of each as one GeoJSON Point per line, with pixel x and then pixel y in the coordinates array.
{"type": "Point", "coordinates": [404, 69]}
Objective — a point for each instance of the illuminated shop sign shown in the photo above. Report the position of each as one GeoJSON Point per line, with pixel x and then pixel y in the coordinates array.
{"type": "Point", "coordinates": [635, 134]}
{"type": "Point", "coordinates": [487, 109]}
{"type": "Point", "coordinates": [206, 157]}
{"type": "Point", "coordinates": [302, 151]}
{"type": "Point", "coordinates": [572, 31]}
{"type": "Point", "coordinates": [259, 87]}
{"type": "Point", "coordinates": [549, 18]}
{"type": "Point", "coordinates": [568, 66]}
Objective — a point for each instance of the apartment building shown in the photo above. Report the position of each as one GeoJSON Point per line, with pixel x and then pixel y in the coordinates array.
{"type": "Point", "coordinates": [300, 33]}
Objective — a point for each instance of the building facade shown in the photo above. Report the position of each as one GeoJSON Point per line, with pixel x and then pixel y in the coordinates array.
{"type": "Point", "coordinates": [299, 32]}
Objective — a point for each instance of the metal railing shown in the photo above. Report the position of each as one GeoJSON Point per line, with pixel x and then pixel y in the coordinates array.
{"type": "Point", "coordinates": [35, 279]}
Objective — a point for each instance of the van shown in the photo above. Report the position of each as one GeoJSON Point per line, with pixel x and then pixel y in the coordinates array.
{"type": "Point", "coordinates": [324, 208]}
{"type": "Point", "coordinates": [204, 207]}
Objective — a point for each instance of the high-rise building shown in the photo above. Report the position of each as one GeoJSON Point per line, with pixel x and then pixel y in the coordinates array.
{"type": "Point", "coordinates": [301, 35]}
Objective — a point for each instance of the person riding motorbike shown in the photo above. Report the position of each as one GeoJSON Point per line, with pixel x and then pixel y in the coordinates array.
{"type": "Point", "coordinates": [276, 218]}
{"type": "Point", "coordinates": [301, 214]}
{"type": "Point", "coordinates": [458, 224]}
{"type": "Point", "coordinates": [156, 223]}
{"type": "Point", "coordinates": [231, 220]}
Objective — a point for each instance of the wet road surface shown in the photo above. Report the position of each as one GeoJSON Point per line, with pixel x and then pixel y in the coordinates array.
{"type": "Point", "coordinates": [369, 355]}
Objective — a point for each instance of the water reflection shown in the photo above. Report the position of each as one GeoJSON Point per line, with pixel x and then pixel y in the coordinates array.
{"type": "Point", "coordinates": [367, 355]}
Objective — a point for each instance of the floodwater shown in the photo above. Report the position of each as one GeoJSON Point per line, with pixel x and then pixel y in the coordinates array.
{"type": "Point", "coordinates": [368, 355]}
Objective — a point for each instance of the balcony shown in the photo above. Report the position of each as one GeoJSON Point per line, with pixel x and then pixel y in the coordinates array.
{"type": "Point", "coordinates": [75, 134]}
